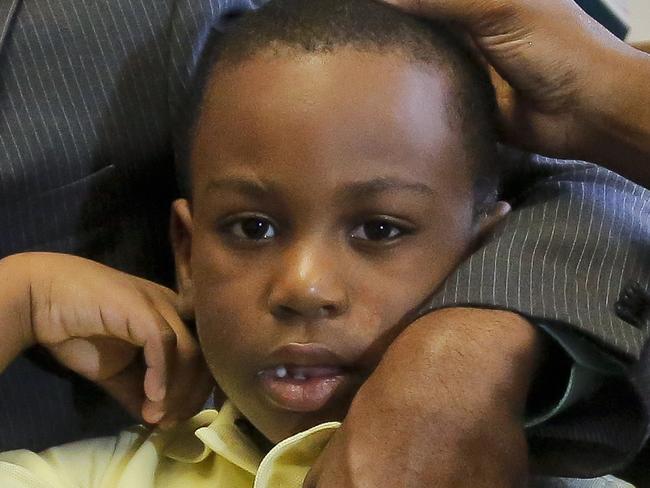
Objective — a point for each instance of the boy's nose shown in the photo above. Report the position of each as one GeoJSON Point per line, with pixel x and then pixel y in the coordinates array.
{"type": "Point", "coordinates": [307, 286]}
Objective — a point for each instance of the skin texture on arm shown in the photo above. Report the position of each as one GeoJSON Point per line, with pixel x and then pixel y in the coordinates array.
{"type": "Point", "coordinates": [453, 388]}
{"type": "Point", "coordinates": [577, 91]}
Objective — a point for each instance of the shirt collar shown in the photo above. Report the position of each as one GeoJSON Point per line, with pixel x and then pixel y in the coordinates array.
{"type": "Point", "coordinates": [211, 431]}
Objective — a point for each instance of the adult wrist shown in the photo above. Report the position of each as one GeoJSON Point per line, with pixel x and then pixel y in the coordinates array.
{"type": "Point", "coordinates": [499, 351]}
{"type": "Point", "coordinates": [615, 114]}
{"type": "Point", "coordinates": [461, 376]}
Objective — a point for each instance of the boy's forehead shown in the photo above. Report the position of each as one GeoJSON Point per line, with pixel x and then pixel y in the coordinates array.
{"type": "Point", "coordinates": [346, 106]}
{"type": "Point", "coordinates": [346, 72]}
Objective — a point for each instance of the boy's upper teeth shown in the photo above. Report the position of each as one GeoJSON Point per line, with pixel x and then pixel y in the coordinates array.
{"type": "Point", "coordinates": [303, 372]}
{"type": "Point", "coordinates": [294, 372]}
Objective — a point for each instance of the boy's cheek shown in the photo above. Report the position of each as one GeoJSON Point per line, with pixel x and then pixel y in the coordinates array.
{"type": "Point", "coordinates": [404, 287]}
{"type": "Point", "coordinates": [226, 298]}
{"type": "Point", "coordinates": [218, 272]}
{"type": "Point", "coordinates": [226, 335]}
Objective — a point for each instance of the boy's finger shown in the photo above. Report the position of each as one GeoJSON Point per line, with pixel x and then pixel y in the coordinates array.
{"type": "Point", "coordinates": [159, 355]}
{"type": "Point", "coordinates": [146, 327]}
{"type": "Point", "coordinates": [191, 383]}
{"type": "Point", "coordinates": [182, 407]}
{"type": "Point", "coordinates": [177, 382]}
{"type": "Point", "coordinates": [153, 412]}
{"type": "Point", "coordinates": [126, 388]}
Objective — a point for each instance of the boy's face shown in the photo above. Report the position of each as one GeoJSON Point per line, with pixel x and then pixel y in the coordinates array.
{"type": "Point", "coordinates": [331, 196]}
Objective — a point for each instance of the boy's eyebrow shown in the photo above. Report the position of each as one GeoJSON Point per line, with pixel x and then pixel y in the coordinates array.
{"type": "Point", "coordinates": [362, 189]}
{"type": "Point", "coordinates": [371, 188]}
{"type": "Point", "coordinates": [248, 186]}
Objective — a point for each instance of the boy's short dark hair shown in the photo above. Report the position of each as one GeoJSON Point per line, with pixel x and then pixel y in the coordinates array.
{"type": "Point", "coordinates": [321, 26]}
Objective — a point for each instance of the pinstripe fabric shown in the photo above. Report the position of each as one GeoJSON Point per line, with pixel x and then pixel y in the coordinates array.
{"type": "Point", "coordinates": [83, 130]}
{"type": "Point", "coordinates": [88, 90]}
{"type": "Point", "coordinates": [581, 233]}
{"type": "Point", "coordinates": [7, 15]}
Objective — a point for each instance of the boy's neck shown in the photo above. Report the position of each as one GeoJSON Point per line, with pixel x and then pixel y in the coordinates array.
{"type": "Point", "coordinates": [249, 430]}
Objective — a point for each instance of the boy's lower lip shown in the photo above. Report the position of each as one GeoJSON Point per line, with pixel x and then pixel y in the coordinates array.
{"type": "Point", "coordinates": [301, 395]}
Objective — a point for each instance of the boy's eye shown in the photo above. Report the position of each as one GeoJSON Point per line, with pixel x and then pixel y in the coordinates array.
{"type": "Point", "coordinates": [252, 228]}
{"type": "Point", "coordinates": [377, 230]}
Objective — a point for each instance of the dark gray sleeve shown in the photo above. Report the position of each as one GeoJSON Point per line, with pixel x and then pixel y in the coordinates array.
{"type": "Point", "coordinates": [577, 241]}
{"type": "Point", "coordinates": [575, 254]}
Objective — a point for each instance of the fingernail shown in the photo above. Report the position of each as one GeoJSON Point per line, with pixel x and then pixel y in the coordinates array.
{"type": "Point", "coordinates": [158, 394]}
{"type": "Point", "coordinates": [155, 416]}
{"type": "Point", "coordinates": [162, 391]}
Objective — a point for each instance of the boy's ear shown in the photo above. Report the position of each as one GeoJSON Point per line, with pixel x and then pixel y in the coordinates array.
{"type": "Point", "coordinates": [489, 218]}
{"type": "Point", "coordinates": [181, 237]}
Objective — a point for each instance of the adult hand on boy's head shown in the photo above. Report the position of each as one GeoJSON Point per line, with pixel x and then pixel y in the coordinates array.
{"type": "Point", "coordinates": [577, 91]}
{"type": "Point", "coordinates": [444, 408]}
{"type": "Point", "coordinates": [120, 331]}
{"type": "Point", "coordinates": [547, 51]}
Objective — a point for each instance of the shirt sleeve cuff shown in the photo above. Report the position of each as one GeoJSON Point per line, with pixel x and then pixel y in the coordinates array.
{"type": "Point", "coordinates": [588, 367]}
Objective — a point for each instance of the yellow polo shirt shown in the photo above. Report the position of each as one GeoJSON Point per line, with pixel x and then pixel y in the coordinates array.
{"type": "Point", "coordinates": [208, 450]}
{"type": "Point", "coordinates": [205, 451]}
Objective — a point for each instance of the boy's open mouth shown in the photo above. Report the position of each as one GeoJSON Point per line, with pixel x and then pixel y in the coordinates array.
{"type": "Point", "coordinates": [301, 388]}
{"type": "Point", "coordinates": [303, 377]}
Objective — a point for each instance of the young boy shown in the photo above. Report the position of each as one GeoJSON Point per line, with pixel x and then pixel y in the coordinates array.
{"type": "Point", "coordinates": [336, 179]}
{"type": "Point", "coordinates": [339, 163]}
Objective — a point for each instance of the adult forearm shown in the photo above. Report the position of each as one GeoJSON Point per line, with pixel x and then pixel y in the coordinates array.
{"type": "Point", "coordinates": [14, 309]}
{"type": "Point", "coordinates": [444, 407]}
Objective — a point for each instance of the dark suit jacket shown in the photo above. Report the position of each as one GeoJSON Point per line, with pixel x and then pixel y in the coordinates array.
{"type": "Point", "coordinates": [89, 90]}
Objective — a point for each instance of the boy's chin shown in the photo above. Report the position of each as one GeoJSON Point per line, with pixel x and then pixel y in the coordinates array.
{"type": "Point", "coordinates": [278, 426]}
{"type": "Point", "coordinates": [276, 421]}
